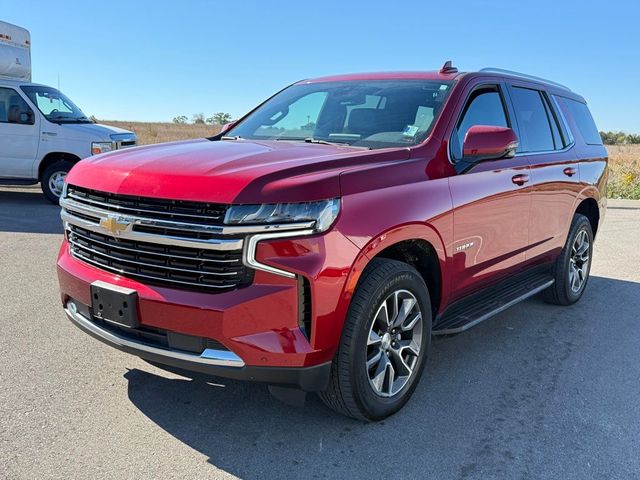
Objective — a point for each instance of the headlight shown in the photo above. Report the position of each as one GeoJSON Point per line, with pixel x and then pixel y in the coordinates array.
{"type": "Point", "coordinates": [323, 213]}
{"type": "Point", "coordinates": [101, 147]}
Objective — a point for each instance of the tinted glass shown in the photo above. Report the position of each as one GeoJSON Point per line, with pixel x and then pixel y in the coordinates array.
{"type": "Point", "coordinates": [533, 120]}
{"type": "Point", "coordinates": [555, 130]}
{"type": "Point", "coordinates": [373, 114]}
{"type": "Point", "coordinates": [584, 120]}
{"type": "Point", "coordinates": [484, 108]}
{"type": "Point", "coordinates": [13, 109]}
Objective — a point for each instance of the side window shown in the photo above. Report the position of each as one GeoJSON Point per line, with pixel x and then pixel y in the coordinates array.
{"type": "Point", "coordinates": [558, 142]}
{"type": "Point", "coordinates": [484, 107]}
{"type": "Point", "coordinates": [584, 121]}
{"type": "Point", "coordinates": [13, 109]}
{"type": "Point", "coordinates": [534, 120]}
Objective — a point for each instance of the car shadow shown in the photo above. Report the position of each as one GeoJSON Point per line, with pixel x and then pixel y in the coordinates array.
{"type": "Point", "coordinates": [26, 210]}
{"type": "Point", "coordinates": [492, 403]}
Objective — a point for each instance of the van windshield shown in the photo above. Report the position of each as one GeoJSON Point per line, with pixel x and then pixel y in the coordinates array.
{"type": "Point", "coordinates": [370, 113]}
{"type": "Point", "coordinates": [54, 105]}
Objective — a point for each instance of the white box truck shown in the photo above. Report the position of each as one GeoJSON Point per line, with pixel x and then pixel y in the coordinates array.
{"type": "Point", "coordinates": [42, 133]}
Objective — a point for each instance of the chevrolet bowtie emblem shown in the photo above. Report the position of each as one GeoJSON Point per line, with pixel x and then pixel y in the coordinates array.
{"type": "Point", "coordinates": [114, 225]}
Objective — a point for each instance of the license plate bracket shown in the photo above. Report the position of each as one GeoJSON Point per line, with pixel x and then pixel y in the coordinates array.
{"type": "Point", "coordinates": [114, 304]}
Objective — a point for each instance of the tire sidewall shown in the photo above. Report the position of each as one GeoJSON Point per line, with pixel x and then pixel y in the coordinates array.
{"type": "Point", "coordinates": [59, 166]}
{"type": "Point", "coordinates": [375, 406]}
{"type": "Point", "coordinates": [581, 225]}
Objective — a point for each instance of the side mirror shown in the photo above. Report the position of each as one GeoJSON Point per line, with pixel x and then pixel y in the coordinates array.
{"type": "Point", "coordinates": [226, 127]}
{"type": "Point", "coordinates": [26, 118]}
{"type": "Point", "coordinates": [484, 142]}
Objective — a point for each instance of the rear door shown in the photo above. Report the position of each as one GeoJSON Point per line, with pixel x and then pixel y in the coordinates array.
{"type": "Point", "coordinates": [19, 135]}
{"type": "Point", "coordinates": [491, 199]}
{"type": "Point", "coordinates": [547, 144]}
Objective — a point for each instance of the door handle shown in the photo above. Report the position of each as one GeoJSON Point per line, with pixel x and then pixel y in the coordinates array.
{"type": "Point", "coordinates": [520, 179]}
{"type": "Point", "coordinates": [569, 171]}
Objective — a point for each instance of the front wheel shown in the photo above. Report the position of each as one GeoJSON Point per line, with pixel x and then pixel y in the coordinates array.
{"type": "Point", "coordinates": [384, 343]}
{"type": "Point", "coordinates": [572, 267]}
{"type": "Point", "coordinates": [53, 178]}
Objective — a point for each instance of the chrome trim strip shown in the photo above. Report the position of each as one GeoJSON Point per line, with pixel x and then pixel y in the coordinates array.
{"type": "Point", "coordinates": [145, 252]}
{"type": "Point", "coordinates": [119, 207]}
{"type": "Point", "coordinates": [130, 275]}
{"type": "Point", "coordinates": [72, 205]}
{"type": "Point", "coordinates": [210, 244]}
{"type": "Point", "coordinates": [249, 253]}
{"type": "Point", "coordinates": [209, 356]}
{"type": "Point", "coordinates": [135, 262]}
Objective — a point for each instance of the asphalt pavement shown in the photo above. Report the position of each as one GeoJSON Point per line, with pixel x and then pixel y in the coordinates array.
{"type": "Point", "coordinates": [538, 392]}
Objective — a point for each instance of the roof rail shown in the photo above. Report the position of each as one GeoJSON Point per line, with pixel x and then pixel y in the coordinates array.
{"type": "Point", "coordinates": [525, 76]}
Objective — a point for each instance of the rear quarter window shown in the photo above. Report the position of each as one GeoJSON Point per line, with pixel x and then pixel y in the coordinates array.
{"type": "Point", "coordinates": [583, 119]}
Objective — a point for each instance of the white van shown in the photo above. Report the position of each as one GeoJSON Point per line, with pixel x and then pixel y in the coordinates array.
{"type": "Point", "coordinates": [42, 132]}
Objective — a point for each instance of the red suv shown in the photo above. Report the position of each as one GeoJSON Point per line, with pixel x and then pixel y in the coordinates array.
{"type": "Point", "coordinates": [318, 242]}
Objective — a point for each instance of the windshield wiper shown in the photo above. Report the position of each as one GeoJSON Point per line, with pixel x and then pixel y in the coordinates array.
{"type": "Point", "coordinates": [231, 137]}
{"type": "Point", "coordinates": [324, 142]}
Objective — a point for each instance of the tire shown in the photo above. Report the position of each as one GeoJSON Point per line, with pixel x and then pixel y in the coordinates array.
{"type": "Point", "coordinates": [51, 177]}
{"type": "Point", "coordinates": [354, 388]}
{"type": "Point", "coordinates": [564, 291]}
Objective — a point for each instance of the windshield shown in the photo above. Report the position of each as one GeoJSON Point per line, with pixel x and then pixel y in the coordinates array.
{"type": "Point", "coordinates": [54, 105]}
{"type": "Point", "coordinates": [373, 114]}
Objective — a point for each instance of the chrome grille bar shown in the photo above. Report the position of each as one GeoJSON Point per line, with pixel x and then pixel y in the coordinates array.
{"type": "Point", "coordinates": [119, 208]}
{"type": "Point", "coordinates": [168, 255]}
{"type": "Point", "coordinates": [136, 262]}
{"type": "Point", "coordinates": [150, 277]}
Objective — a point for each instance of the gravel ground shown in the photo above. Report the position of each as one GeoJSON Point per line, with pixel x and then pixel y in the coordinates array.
{"type": "Point", "coordinates": [537, 392]}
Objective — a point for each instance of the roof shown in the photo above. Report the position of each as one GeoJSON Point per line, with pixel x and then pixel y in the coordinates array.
{"type": "Point", "coordinates": [428, 75]}
{"type": "Point", "coordinates": [449, 75]}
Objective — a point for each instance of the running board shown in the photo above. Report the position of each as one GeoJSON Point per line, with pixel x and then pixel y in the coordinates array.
{"type": "Point", "coordinates": [483, 305]}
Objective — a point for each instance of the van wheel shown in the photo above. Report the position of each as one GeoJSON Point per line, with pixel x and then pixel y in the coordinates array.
{"type": "Point", "coordinates": [572, 267]}
{"type": "Point", "coordinates": [53, 178]}
{"type": "Point", "coordinates": [384, 343]}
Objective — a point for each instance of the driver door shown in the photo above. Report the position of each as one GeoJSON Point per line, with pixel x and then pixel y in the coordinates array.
{"type": "Point", "coordinates": [491, 200]}
{"type": "Point", "coordinates": [19, 135]}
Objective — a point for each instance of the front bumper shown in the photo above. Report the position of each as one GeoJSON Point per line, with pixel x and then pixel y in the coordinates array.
{"type": "Point", "coordinates": [257, 327]}
{"type": "Point", "coordinates": [219, 363]}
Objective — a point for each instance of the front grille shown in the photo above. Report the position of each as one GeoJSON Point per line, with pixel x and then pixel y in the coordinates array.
{"type": "Point", "coordinates": [157, 264]}
{"type": "Point", "coordinates": [151, 208]}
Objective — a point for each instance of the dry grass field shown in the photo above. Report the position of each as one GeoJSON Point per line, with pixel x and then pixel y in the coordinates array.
{"type": "Point", "coordinates": [624, 171]}
{"type": "Point", "coordinates": [624, 160]}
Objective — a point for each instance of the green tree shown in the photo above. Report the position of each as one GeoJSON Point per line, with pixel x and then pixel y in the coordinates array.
{"type": "Point", "coordinates": [198, 118]}
{"type": "Point", "coordinates": [180, 119]}
{"type": "Point", "coordinates": [219, 118]}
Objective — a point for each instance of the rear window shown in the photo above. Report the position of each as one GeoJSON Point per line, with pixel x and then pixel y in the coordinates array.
{"type": "Point", "coordinates": [584, 121]}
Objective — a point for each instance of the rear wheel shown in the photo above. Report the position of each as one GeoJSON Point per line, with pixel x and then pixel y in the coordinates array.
{"type": "Point", "coordinates": [384, 343]}
{"type": "Point", "coordinates": [53, 178]}
{"type": "Point", "coordinates": [573, 265]}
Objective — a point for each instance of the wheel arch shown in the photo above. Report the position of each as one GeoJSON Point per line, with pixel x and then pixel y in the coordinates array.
{"type": "Point", "coordinates": [418, 245]}
{"type": "Point", "coordinates": [52, 157]}
{"type": "Point", "coordinates": [590, 209]}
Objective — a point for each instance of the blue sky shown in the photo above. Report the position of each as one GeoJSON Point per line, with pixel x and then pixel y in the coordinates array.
{"type": "Point", "coordinates": [153, 60]}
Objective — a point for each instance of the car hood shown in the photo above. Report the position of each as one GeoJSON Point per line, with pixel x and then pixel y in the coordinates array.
{"type": "Point", "coordinates": [234, 171]}
{"type": "Point", "coordinates": [96, 131]}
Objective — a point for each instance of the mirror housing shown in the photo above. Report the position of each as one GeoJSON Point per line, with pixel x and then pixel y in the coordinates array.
{"type": "Point", "coordinates": [226, 127]}
{"type": "Point", "coordinates": [26, 118]}
{"type": "Point", "coordinates": [485, 142]}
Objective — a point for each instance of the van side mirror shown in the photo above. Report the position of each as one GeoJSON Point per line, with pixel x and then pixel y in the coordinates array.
{"type": "Point", "coordinates": [226, 127]}
{"type": "Point", "coordinates": [26, 118]}
{"type": "Point", "coordinates": [485, 142]}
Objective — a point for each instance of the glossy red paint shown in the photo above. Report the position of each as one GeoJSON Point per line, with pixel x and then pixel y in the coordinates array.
{"type": "Point", "coordinates": [480, 223]}
{"type": "Point", "coordinates": [485, 141]}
